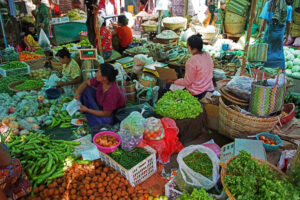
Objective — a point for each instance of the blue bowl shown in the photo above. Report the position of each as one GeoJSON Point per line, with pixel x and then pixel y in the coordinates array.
{"type": "Point", "coordinates": [53, 93]}
{"type": "Point", "coordinates": [273, 137]}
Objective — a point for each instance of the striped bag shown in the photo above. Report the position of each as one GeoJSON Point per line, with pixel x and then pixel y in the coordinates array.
{"type": "Point", "coordinates": [257, 52]}
{"type": "Point", "coordinates": [266, 100]}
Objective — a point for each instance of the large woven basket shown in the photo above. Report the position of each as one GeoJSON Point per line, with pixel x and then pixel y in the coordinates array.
{"type": "Point", "coordinates": [12, 85]}
{"type": "Point", "coordinates": [260, 162]}
{"type": "Point", "coordinates": [147, 83]}
{"type": "Point", "coordinates": [234, 124]}
{"type": "Point", "coordinates": [296, 16]}
{"type": "Point", "coordinates": [149, 28]}
{"type": "Point", "coordinates": [233, 18]}
{"type": "Point", "coordinates": [175, 26]}
{"type": "Point", "coordinates": [235, 28]}
{"type": "Point", "coordinates": [295, 32]}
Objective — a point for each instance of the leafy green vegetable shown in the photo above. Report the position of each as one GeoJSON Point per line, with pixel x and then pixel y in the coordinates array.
{"type": "Point", "coordinates": [248, 180]}
{"type": "Point", "coordinates": [30, 84]}
{"type": "Point", "coordinates": [200, 163]}
{"type": "Point", "coordinates": [178, 105]}
{"type": "Point", "coordinates": [129, 159]}
{"type": "Point", "coordinates": [196, 195]}
{"type": "Point", "coordinates": [5, 81]}
{"type": "Point", "coordinates": [13, 65]}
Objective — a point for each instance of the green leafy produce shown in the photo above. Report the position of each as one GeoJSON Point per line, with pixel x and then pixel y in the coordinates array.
{"type": "Point", "coordinates": [248, 180]}
{"type": "Point", "coordinates": [13, 65]}
{"type": "Point", "coordinates": [42, 159]}
{"type": "Point", "coordinates": [30, 85]}
{"type": "Point", "coordinates": [129, 159]}
{"type": "Point", "coordinates": [178, 105]}
{"type": "Point", "coordinates": [5, 81]}
{"type": "Point", "coordinates": [200, 163]}
{"type": "Point", "coordinates": [196, 195]}
{"type": "Point", "coordinates": [84, 43]}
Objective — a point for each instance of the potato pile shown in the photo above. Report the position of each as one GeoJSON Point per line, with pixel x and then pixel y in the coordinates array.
{"type": "Point", "coordinates": [89, 182]}
{"type": "Point", "coordinates": [106, 140]}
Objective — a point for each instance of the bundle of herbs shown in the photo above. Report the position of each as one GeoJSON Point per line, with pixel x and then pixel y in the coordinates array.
{"type": "Point", "coordinates": [200, 163]}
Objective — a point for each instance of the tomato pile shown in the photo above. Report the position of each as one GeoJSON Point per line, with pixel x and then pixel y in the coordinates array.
{"type": "Point", "coordinates": [266, 140]}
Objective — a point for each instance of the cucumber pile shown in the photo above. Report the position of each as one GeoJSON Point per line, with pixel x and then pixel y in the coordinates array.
{"type": "Point", "coordinates": [42, 159]}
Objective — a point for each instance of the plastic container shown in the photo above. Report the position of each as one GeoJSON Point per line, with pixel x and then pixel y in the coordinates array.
{"type": "Point", "coordinates": [290, 110]}
{"type": "Point", "coordinates": [53, 93]}
{"type": "Point", "coordinates": [273, 137]}
{"type": "Point", "coordinates": [107, 149]}
{"type": "Point", "coordinates": [13, 72]}
{"type": "Point", "coordinates": [138, 173]}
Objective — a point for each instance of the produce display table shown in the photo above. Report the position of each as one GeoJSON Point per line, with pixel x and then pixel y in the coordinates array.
{"type": "Point", "coordinates": [68, 32]}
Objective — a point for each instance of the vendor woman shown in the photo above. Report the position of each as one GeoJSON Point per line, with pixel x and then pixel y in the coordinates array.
{"type": "Point", "coordinates": [277, 15]}
{"type": "Point", "coordinates": [101, 96]}
{"type": "Point", "coordinates": [71, 71]}
{"type": "Point", "coordinates": [14, 184]}
{"type": "Point", "coordinates": [123, 34]}
{"type": "Point", "coordinates": [198, 79]}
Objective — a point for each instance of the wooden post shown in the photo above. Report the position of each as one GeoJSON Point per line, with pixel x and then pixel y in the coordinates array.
{"type": "Point", "coordinates": [97, 31]}
{"type": "Point", "coordinates": [252, 15]}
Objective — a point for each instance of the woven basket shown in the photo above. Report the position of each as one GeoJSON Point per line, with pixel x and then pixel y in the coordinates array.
{"type": "Point", "coordinates": [296, 16]}
{"type": "Point", "coordinates": [235, 28]}
{"type": "Point", "coordinates": [174, 41]}
{"type": "Point", "coordinates": [233, 18]}
{"type": "Point", "coordinates": [146, 83]}
{"type": "Point", "coordinates": [260, 162]}
{"type": "Point", "coordinates": [208, 36]}
{"type": "Point", "coordinates": [234, 124]}
{"type": "Point", "coordinates": [36, 63]}
{"type": "Point", "coordinates": [12, 85]}
{"type": "Point", "coordinates": [175, 26]}
{"type": "Point", "coordinates": [295, 32]}
{"type": "Point", "coordinates": [149, 28]}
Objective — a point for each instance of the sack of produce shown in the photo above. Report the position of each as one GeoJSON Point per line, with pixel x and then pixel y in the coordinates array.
{"type": "Point", "coordinates": [44, 42]}
{"type": "Point", "coordinates": [240, 86]}
{"type": "Point", "coordinates": [198, 167]}
{"type": "Point", "coordinates": [131, 130]}
{"type": "Point", "coordinates": [153, 129]}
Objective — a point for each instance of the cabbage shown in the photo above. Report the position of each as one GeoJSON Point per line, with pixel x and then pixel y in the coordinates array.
{"type": "Point", "coordinates": [296, 61]}
{"type": "Point", "coordinates": [289, 64]}
{"type": "Point", "coordinates": [296, 75]}
{"type": "Point", "coordinates": [288, 72]}
{"type": "Point", "coordinates": [296, 68]}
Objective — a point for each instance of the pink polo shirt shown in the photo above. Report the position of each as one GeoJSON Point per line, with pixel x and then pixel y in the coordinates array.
{"type": "Point", "coordinates": [110, 100]}
{"type": "Point", "coordinates": [198, 76]}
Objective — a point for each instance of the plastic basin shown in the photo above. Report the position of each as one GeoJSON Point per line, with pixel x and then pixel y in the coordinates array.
{"type": "Point", "coordinates": [107, 149]}
{"type": "Point", "coordinates": [273, 137]}
{"type": "Point", "coordinates": [53, 93]}
{"type": "Point", "coordinates": [290, 110]}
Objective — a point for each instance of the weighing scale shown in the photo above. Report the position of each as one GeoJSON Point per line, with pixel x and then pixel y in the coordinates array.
{"type": "Point", "coordinates": [151, 68]}
{"type": "Point", "coordinates": [126, 62]}
{"type": "Point", "coordinates": [90, 55]}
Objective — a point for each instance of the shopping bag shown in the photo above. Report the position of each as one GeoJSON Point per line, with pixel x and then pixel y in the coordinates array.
{"type": "Point", "coordinates": [44, 42]}
{"type": "Point", "coordinates": [193, 178]}
{"type": "Point", "coordinates": [258, 52]}
{"type": "Point", "coordinates": [266, 100]}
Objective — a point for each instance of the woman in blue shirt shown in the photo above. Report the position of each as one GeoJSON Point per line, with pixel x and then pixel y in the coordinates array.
{"type": "Point", "coordinates": [277, 15]}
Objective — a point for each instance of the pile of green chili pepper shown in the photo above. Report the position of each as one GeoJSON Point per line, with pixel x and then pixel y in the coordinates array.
{"type": "Point", "coordinates": [129, 159]}
{"type": "Point", "coordinates": [5, 81]}
{"type": "Point", "coordinates": [13, 65]}
{"type": "Point", "coordinates": [30, 85]}
{"type": "Point", "coordinates": [42, 159]}
{"type": "Point", "coordinates": [200, 163]}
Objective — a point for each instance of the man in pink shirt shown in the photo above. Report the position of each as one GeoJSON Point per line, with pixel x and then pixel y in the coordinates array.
{"type": "Point", "coordinates": [198, 79]}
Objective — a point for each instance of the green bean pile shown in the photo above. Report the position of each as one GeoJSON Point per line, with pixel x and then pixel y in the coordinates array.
{"type": "Point", "coordinates": [13, 65]}
{"type": "Point", "coordinates": [129, 159]}
{"type": "Point", "coordinates": [5, 81]}
{"type": "Point", "coordinates": [30, 85]}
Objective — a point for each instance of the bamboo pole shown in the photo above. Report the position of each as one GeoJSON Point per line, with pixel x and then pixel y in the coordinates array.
{"type": "Point", "coordinates": [97, 31]}
{"type": "Point", "coordinates": [252, 16]}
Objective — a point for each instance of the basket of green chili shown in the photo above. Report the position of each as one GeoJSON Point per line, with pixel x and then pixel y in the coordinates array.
{"type": "Point", "coordinates": [27, 85]}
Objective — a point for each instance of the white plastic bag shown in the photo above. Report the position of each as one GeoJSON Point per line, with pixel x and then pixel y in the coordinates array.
{"type": "Point", "coordinates": [73, 107]}
{"type": "Point", "coordinates": [196, 179]}
{"type": "Point", "coordinates": [240, 86]}
{"type": "Point", "coordinates": [44, 42]}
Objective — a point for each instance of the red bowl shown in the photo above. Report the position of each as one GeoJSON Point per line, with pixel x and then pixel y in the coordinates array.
{"type": "Point", "coordinates": [107, 149]}
{"type": "Point", "coordinates": [290, 110]}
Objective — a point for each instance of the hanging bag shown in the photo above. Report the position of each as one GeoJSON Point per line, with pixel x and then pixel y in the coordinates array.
{"type": "Point", "coordinates": [266, 100]}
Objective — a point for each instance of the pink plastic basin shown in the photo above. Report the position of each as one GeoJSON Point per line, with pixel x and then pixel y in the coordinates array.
{"type": "Point", "coordinates": [107, 149]}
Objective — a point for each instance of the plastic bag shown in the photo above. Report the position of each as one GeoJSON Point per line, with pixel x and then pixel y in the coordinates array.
{"type": "Point", "coordinates": [153, 129]}
{"type": "Point", "coordinates": [131, 130]}
{"type": "Point", "coordinates": [240, 86]}
{"type": "Point", "coordinates": [193, 178]}
{"type": "Point", "coordinates": [122, 113]}
{"type": "Point", "coordinates": [140, 60]}
{"type": "Point", "coordinates": [73, 107]}
{"type": "Point", "coordinates": [44, 42]}
{"type": "Point", "coordinates": [213, 146]}
{"type": "Point", "coordinates": [170, 144]}
{"type": "Point", "coordinates": [285, 158]}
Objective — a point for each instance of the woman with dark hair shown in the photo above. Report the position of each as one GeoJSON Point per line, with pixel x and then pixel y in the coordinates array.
{"type": "Point", "coordinates": [31, 43]}
{"type": "Point", "coordinates": [123, 33]}
{"type": "Point", "coordinates": [198, 79]}
{"type": "Point", "coordinates": [71, 70]}
{"type": "Point", "coordinates": [101, 96]}
{"type": "Point", "coordinates": [277, 15]}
